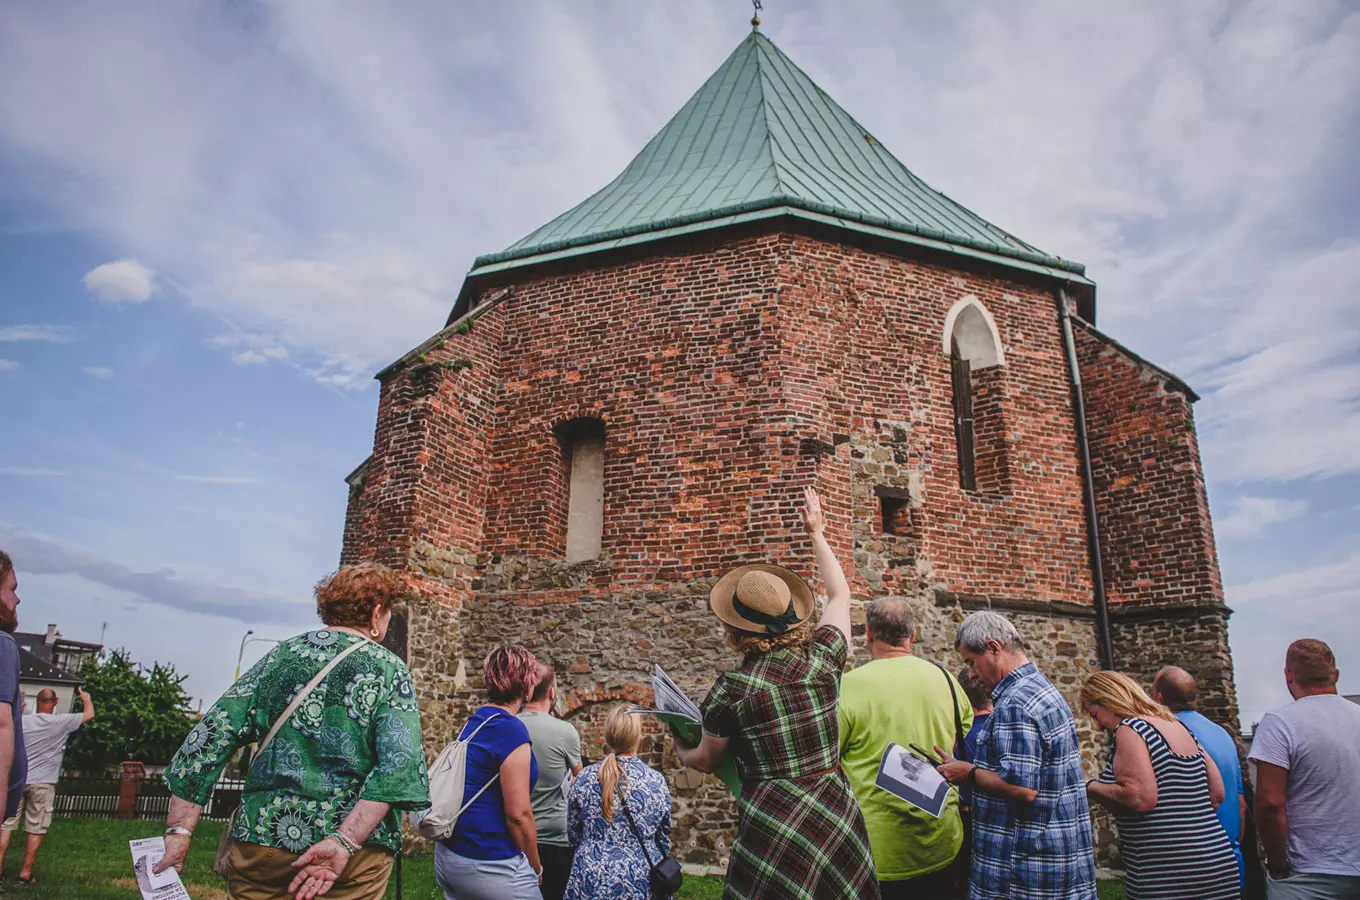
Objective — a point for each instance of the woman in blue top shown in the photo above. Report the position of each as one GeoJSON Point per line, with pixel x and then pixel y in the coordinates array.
{"type": "Point", "coordinates": [613, 861]}
{"type": "Point", "coordinates": [493, 851]}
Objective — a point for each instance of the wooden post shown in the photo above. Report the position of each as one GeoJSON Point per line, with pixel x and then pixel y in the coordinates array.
{"type": "Point", "coordinates": [128, 788]}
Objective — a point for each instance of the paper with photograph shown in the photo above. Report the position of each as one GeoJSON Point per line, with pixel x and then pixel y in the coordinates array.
{"type": "Point", "coordinates": [146, 852]}
{"type": "Point", "coordinates": [904, 775]}
{"type": "Point", "coordinates": [674, 707]}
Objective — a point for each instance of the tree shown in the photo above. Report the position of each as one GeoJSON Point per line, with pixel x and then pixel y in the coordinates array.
{"type": "Point", "coordinates": [139, 714]}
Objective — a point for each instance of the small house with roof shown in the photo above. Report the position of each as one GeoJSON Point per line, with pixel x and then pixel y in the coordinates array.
{"type": "Point", "coordinates": [49, 660]}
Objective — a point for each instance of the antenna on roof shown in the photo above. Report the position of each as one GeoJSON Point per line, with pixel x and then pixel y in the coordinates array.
{"type": "Point", "coordinates": [755, 18]}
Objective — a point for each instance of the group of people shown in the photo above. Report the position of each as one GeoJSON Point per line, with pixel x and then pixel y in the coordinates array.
{"type": "Point", "coordinates": [335, 721]}
{"type": "Point", "coordinates": [32, 744]}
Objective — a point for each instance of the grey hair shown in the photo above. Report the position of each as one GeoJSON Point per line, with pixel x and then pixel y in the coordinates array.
{"type": "Point", "coordinates": [891, 619]}
{"type": "Point", "coordinates": [983, 626]}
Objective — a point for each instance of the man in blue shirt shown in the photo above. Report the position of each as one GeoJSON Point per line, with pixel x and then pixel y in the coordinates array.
{"type": "Point", "coordinates": [13, 760]}
{"type": "Point", "coordinates": [1175, 689]}
{"type": "Point", "coordinates": [1031, 824]}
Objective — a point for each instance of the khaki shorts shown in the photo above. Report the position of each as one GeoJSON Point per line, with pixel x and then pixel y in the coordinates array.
{"type": "Point", "coordinates": [264, 873]}
{"type": "Point", "coordinates": [35, 809]}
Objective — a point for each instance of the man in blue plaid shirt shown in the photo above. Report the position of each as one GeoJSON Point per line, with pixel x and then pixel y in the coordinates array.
{"type": "Point", "coordinates": [1031, 824]}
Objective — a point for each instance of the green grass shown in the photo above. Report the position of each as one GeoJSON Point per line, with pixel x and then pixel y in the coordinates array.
{"type": "Point", "coordinates": [89, 859]}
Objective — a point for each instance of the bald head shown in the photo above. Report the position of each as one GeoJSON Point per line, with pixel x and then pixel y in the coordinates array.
{"type": "Point", "coordinates": [47, 700]}
{"type": "Point", "coordinates": [1175, 688]}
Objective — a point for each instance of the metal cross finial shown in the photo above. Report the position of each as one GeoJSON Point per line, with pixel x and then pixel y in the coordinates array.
{"type": "Point", "coordinates": [755, 19]}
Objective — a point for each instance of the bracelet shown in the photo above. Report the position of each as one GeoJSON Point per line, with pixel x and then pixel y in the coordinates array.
{"type": "Point", "coordinates": [972, 776]}
{"type": "Point", "coordinates": [350, 847]}
{"type": "Point", "coordinates": [175, 829]}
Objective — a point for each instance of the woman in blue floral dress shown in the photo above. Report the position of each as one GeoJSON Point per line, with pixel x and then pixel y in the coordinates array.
{"type": "Point", "coordinates": [610, 862]}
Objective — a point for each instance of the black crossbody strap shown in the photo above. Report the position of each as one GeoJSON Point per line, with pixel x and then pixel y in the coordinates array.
{"type": "Point", "coordinates": [954, 705]}
{"type": "Point", "coordinates": [628, 813]}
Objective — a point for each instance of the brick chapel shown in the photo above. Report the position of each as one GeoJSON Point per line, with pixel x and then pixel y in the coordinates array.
{"type": "Point", "coordinates": [627, 402]}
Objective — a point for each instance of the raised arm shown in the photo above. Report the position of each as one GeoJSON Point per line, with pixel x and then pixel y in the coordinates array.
{"type": "Point", "coordinates": [837, 610]}
{"type": "Point", "coordinates": [86, 707]}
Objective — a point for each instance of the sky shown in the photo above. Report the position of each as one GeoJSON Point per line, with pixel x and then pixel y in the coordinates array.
{"type": "Point", "coordinates": [219, 220]}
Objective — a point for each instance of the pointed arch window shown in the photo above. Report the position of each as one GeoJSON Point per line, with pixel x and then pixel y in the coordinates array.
{"type": "Point", "coordinates": [976, 361]}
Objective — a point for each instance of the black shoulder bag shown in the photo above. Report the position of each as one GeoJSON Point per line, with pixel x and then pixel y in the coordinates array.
{"type": "Point", "coordinates": [965, 815]}
{"type": "Point", "coordinates": [666, 875]}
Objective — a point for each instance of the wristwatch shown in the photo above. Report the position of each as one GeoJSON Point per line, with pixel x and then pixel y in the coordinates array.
{"type": "Point", "coordinates": [175, 829]}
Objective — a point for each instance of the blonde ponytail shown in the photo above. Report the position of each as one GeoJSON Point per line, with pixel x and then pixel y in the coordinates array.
{"type": "Point", "coordinates": [622, 734]}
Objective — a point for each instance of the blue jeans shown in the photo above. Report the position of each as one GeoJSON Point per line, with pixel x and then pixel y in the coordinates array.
{"type": "Point", "coordinates": [461, 878]}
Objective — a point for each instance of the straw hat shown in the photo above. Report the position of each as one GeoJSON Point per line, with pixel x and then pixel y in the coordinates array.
{"type": "Point", "coordinates": [761, 599]}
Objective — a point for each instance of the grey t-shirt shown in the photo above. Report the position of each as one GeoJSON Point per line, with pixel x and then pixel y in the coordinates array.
{"type": "Point", "coordinates": [45, 737]}
{"type": "Point", "coordinates": [557, 748]}
{"type": "Point", "coordinates": [1317, 738]}
{"type": "Point", "coordinates": [11, 693]}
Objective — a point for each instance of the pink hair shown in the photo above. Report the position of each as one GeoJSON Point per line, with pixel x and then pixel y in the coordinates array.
{"type": "Point", "coordinates": [509, 674]}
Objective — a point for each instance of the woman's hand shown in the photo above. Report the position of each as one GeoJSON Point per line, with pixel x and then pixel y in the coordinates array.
{"type": "Point", "coordinates": [813, 519]}
{"type": "Point", "coordinates": [176, 849]}
{"type": "Point", "coordinates": [321, 866]}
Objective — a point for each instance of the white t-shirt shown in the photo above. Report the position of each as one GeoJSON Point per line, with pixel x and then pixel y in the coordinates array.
{"type": "Point", "coordinates": [45, 737]}
{"type": "Point", "coordinates": [1317, 738]}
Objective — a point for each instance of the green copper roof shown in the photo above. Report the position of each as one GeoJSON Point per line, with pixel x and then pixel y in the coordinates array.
{"type": "Point", "coordinates": [761, 135]}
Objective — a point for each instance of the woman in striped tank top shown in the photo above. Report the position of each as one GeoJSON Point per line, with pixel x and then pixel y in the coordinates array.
{"type": "Point", "coordinates": [1163, 790]}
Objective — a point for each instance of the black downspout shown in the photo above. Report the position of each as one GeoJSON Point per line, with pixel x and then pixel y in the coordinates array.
{"type": "Point", "coordinates": [1103, 645]}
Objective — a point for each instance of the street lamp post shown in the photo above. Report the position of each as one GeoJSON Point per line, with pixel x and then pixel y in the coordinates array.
{"type": "Point", "coordinates": [250, 640]}
{"type": "Point", "coordinates": [242, 652]}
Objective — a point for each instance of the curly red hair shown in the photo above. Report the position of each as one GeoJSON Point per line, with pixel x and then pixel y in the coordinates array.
{"type": "Point", "coordinates": [510, 673]}
{"type": "Point", "coordinates": [347, 597]}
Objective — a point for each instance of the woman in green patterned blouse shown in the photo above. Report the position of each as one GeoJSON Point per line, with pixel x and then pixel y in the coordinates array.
{"type": "Point", "coordinates": [319, 812]}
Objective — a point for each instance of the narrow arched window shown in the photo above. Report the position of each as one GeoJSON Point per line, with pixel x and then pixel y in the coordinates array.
{"type": "Point", "coordinates": [964, 434]}
{"type": "Point", "coordinates": [583, 449]}
{"type": "Point", "coordinates": [978, 387]}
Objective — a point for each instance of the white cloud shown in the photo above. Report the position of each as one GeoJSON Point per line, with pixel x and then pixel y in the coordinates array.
{"type": "Point", "coordinates": [8, 364]}
{"type": "Point", "coordinates": [124, 281]}
{"type": "Point", "coordinates": [39, 555]}
{"type": "Point", "coordinates": [258, 348]}
{"type": "Point", "coordinates": [103, 373]}
{"type": "Point", "coordinates": [213, 479]}
{"type": "Point", "coordinates": [1320, 602]}
{"type": "Point", "coordinates": [1250, 516]}
{"type": "Point", "coordinates": [51, 334]}
{"type": "Point", "coordinates": [28, 472]}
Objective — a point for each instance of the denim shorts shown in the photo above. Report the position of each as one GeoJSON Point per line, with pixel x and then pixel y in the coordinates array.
{"type": "Point", "coordinates": [461, 878]}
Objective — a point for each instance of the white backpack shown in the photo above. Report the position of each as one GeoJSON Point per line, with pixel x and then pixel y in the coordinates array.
{"type": "Point", "coordinates": [448, 777]}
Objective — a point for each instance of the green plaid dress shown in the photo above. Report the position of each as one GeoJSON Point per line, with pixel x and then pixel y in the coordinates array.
{"type": "Point", "coordinates": [800, 835]}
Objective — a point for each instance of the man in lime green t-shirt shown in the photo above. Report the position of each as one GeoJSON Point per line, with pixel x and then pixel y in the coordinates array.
{"type": "Point", "coordinates": [901, 699]}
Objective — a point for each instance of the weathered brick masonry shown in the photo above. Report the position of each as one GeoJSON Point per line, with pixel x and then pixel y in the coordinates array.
{"type": "Point", "coordinates": [728, 375]}
{"type": "Point", "coordinates": [1161, 566]}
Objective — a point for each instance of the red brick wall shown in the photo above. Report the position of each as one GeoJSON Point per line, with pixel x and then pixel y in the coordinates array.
{"type": "Point", "coordinates": [423, 501]}
{"type": "Point", "coordinates": [861, 335]}
{"type": "Point", "coordinates": [1154, 514]}
{"type": "Point", "coordinates": [727, 377]}
{"type": "Point", "coordinates": [1161, 567]}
